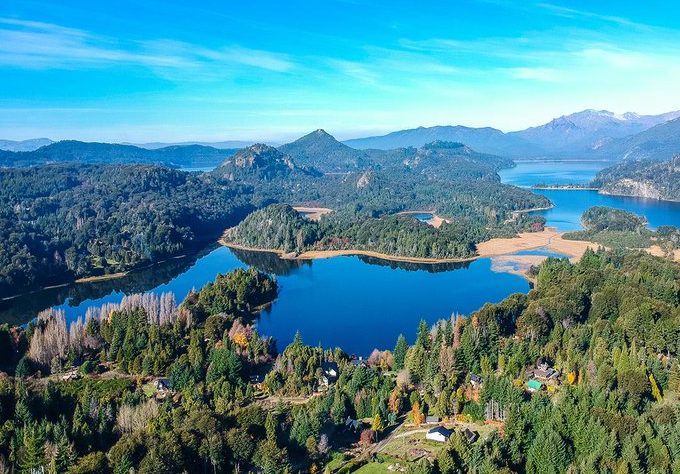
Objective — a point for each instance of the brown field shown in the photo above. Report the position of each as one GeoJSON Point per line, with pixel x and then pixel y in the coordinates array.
{"type": "Point", "coordinates": [313, 213]}
{"type": "Point", "coordinates": [550, 239]}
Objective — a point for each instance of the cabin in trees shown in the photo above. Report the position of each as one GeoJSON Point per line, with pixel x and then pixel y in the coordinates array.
{"type": "Point", "coordinates": [439, 434]}
{"type": "Point", "coordinates": [544, 373]}
{"type": "Point", "coordinates": [470, 435]}
{"type": "Point", "coordinates": [475, 380]}
{"type": "Point", "coordinates": [162, 385]}
{"type": "Point", "coordinates": [329, 374]}
{"type": "Point", "coordinates": [430, 420]}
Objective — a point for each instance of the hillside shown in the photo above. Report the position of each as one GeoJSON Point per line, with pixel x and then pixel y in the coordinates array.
{"type": "Point", "coordinates": [578, 375]}
{"type": "Point", "coordinates": [449, 177]}
{"type": "Point", "coordinates": [321, 151]}
{"type": "Point", "coordinates": [60, 222]}
{"type": "Point", "coordinates": [258, 162]}
{"type": "Point", "coordinates": [111, 153]}
{"type": "Point", "coordinates": [648, 179]}
{"type": "Point", "coordinates": [661, 142]}
{"type": "Point", "coordinates": [588, 130]}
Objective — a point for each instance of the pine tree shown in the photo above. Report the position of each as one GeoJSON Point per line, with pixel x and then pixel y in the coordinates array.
{"type": "Point", "coordinates": [400, 350]}
{"type": "Point", "coordinates": [33, 452]}
{"type": "Point", "coordinates": [423, 337]}
{"type": "Point", "coordinates": [547, 453]}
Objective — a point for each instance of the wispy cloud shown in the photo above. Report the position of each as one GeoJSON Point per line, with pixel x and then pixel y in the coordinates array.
{"type": "Point", "coordinates": [567, 12]}
{"type": "Point", "coordinates": [37, 45]}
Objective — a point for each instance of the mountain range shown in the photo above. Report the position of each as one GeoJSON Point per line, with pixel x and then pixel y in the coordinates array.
{"type": "Point", "coordinates": [24, 145]}
{"type": "Point", "coordinates": [587, 134]}
{"type": "Point", "coordinates": [661, 143]}
{"type": "Point", "coordinates": [590, 134]}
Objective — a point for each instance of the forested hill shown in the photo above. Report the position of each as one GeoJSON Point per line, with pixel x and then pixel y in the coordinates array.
{"type": "Point", "coordinates": [581, 375]}
{"type": "Point", "coordinates": [649, 179]}
{"type": "Point", "coordinates": [62, 221]}
{"type": "Point", "coordinates": [618, 229]}
{"type": "Point", "coordinates": [441, 159]}
{"type": "Point", "coordinates": [111, 153]}
{"type": "Point", "coordinates": [322, 151]}
{"type": "Point", "coordinates": [448, 177]}
{"type": "Point", "coordinates": [258, 163]}
{"type": "Point", "coordinates": [280, 227]}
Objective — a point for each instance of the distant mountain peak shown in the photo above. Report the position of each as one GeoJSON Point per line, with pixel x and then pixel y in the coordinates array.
{"type": "Point", "coordinates": [322, 151]}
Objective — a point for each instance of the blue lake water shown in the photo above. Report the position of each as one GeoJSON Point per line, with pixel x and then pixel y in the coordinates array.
{"type": "Point", "coordinates": [570, 204]}
{"type": "Point", "coordinates": [356, 303]}
{"type": "Point", "coordinates": [422, 216]}
{"type": "Point", "coordinates": [530, 173]}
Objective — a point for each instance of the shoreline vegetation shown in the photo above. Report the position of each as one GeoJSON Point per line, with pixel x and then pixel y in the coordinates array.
{"type": "Point", "coordinates": [94, 278]}
{"type": "Point", "coordinates": [566, 187]}
{"type": "Point", "coordinates": [549, 239]}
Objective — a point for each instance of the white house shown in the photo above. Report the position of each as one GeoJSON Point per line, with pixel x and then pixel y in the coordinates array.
{"type": "Point", "coordinates": [439, 434]}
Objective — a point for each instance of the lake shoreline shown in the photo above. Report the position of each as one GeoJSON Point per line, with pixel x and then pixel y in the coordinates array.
{"type": "Point", "coordinates": [549, 238]}
{"type": "Point", "coordinates": [323, 254]}
{"type": "Point", "coordinates": [92, 279]}
{"type": "Point", "coordinates": [565, 187]}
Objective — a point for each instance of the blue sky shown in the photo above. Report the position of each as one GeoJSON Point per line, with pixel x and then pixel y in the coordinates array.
{"type": "Point", "coordinates": [172, 71]}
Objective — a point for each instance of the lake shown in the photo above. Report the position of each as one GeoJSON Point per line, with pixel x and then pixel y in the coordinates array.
{"type": "Point", "coordinates": [530, 173]}
{"type": "Point", "coordinates": [570, 204]}
{"type": "Point", "coordinates": [357, 303]}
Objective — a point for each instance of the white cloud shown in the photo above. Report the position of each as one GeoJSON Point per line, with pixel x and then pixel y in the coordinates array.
{"type": "Point", "coordinates": [37, 45]}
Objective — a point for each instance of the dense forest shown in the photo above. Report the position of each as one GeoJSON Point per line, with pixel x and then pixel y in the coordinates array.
{"type": "Point", "coordinates": [449, 178]}
{"type": "Point", "coordinates": [280, 227]}
{"type": "Point", "coordinates": [647, 178]}
{"type": "Point", "coordinates": [580, 375]}
{"type": "Point", "coordinates": [114, 153]}
{"type": "Point", "coordinates": [615, 228]}
{"type": "Point", "coordinates": [66, 221]}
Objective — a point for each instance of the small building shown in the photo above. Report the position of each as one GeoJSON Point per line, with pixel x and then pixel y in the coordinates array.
{"type": "Point", "coordinates": [475, 380]}
{"type": "Point", "coordinates": [439, 434]}
{"type": "Point", "coordinates": [352, 424]}
{"type": "Point", "coordinates": [256, 379]}
{"type": "Point", "coordinates": [534, 385]}
{"type": "Point", "coordinates": [71, 375]}
{"type": "Point", "coordinates": [329, 374]}
{"type": "Point", "coordinates": [431, 420]}
{"type": "Point", "coordinates": [544, 372]}
{"type": "Point", "coordinates": [162, 385]}
{"type": "Point", "coordinates": [470, 435]}
{"type": "Point", "coordinates": [358, 362]}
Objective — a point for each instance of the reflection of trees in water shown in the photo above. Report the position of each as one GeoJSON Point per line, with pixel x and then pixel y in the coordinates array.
{"type": "Point", "coordinates": [22, 309]}
{"type": "Point", "coordinates": [412, 266]}
{"type": "Point", "coordinates": [269, 262]}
